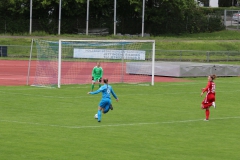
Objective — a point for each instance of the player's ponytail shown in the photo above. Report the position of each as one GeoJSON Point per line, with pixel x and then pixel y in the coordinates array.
{"type": "Point", "coordinates": [105, 80]}
{"type": "Point", "coordinates": [213, 76]}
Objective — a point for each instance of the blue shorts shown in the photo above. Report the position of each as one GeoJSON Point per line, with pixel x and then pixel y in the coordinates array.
{"type": "Point", "coordinates": [105, 104]}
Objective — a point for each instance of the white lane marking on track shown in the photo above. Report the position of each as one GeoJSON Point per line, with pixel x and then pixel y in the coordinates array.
{"type": "Point", "coordinates": [116, 125]}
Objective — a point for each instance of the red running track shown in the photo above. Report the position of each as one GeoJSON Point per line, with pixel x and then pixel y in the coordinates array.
{"type": "Point", "coordinates": [15, 73]}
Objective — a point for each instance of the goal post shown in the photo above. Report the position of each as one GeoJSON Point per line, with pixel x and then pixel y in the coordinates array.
{"type": "Point", "coordinates": [71, 61]}
{"type": "Point", "coordinates": [46, 64]}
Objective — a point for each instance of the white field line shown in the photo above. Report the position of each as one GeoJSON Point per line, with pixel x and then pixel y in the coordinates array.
{"type": "Point", "coordinates": [119, 95]}
{"type": "Point", "coordinates": [82, 86]}
{"type": "Point", "coordinates": [117, 125]}
{"type": "Point", "coordinates": [123, 85]}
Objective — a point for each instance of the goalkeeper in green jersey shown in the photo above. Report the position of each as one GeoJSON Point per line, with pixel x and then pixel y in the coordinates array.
{"type": "Point", "coordinates": [97, 74]}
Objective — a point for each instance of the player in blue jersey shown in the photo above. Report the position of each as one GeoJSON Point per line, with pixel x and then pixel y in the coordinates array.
{"type": "Point", "coordinates": [105, 103]}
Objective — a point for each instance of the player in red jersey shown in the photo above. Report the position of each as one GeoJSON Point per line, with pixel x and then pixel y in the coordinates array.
{"type": "Point", "coordinates": [209, 100]}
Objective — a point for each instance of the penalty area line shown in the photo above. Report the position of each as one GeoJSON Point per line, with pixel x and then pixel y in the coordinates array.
{"type": "Point", "coordinates": [116, 125]}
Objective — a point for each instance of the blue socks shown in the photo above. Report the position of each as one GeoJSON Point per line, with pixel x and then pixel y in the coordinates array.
{"type": "Point", "coordinates": [99, 115]}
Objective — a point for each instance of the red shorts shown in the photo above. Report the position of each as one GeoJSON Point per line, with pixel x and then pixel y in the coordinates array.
{"type": "Point", "coordinates": [207, 102]}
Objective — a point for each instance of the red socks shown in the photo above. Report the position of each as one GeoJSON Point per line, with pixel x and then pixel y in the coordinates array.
{"type": "Point", "coordinates": [207, 113]}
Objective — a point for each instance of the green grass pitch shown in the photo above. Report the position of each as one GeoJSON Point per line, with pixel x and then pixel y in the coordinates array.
{"type": "Point", "coordinates": [160, 122]}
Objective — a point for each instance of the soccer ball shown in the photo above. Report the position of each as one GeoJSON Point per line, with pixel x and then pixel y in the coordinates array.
{"type": "Point", "coordinates": [96, 116]}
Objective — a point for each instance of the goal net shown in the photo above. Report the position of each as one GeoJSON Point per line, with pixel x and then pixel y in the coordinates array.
{"type": "Point", "coordinates": [71, 61]}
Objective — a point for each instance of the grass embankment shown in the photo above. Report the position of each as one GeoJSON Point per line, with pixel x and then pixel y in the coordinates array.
{"type": "Point", "coordinates": [227, 40]}
{"type": "Point", "coordinates": [181, 46]}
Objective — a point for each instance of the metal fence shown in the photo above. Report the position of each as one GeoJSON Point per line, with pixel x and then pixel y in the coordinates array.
{"type": "Point", "coordinates": [13, 52]}
{"type": "Point", "coordinates": [197, 56]}
{"type": "Point", "coordinates": [125, 25]}
{"type": "Point", "coordinates": [231, 19]}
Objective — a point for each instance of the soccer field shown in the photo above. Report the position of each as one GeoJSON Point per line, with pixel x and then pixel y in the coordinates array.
{"type": "Point", "coordinates": [160, 122]}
